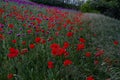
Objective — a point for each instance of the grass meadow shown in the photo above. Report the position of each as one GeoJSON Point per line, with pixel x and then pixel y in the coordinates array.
{"type": "Point", "coordinates": [44, 43]}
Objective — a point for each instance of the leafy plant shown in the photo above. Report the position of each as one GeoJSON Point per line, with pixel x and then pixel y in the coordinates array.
{"type": "Point", "coordinates": [86, 7]}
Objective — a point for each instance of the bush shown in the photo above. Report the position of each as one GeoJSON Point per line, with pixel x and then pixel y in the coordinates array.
{"type": "Point", "coordinates": [108, 7]}
{"type": "Point", "coordinates": [86, 7]}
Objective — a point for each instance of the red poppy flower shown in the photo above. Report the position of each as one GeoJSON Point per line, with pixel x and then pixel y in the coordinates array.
{"type": "Point", "coordinates": [116, 42]}
{"type": "Point", "coordinates": [69, 34]}
{"type": "Point", "coordinates": [10, 76]}
{"type": "Point", "coordinates": [66, 45]}
{"type": "Point", "coordinates": [37, 30]}
{"type": "Point", "coordinates": [50, 65]}
{"type": "Point", "coordinates": [1, 29]}
{"type": "Point", "coordinates": [38, 20]}
{"type": "Point", "coordinates": [13, 53]}
{"type": "Point", "coordinates": [64, 25]}
{"type": "Point", "coordinates": [32, 23]}
{"type": "Point", "coordinates": [32, 46]}
{"type": "Point", "coordinates": [24, 25]}
{"type": "Point", "coordinates": [59, 28]}
{"type": "Point", "coordinates": [14, 7]}
{"type": "Point", "coordinates": [43, 30]}
{"type": "Point", "coordinates": [71, 28]}
{"type": "Point", "coordinates": [14, 41]}
{"type": "Point", "coordinates": [96, 62]}
{"type": "Point", "coordinates": [54, 46]}
{"type": "Point", "coordinates": [1, 11]}
{"type": "Point", "coordinates": [88, 54]}
{"type": "Point", "coordinates": [5, 18]}
{"type": "Point", "coordinates": [29, 31]}
{"type": "Point", "coordinates": [43, 41]}
{"type": "Point", "coordinates": [82, 40]}
{"type": "Point", "coordinates": [23, 51]}
{"type": "Point", "coordinates": [90, 78]}
{"type": "Point", "coordinates": [81, 29]}
{"type": "Point", "coordinates": [99, 53]}
{"type": "Point", "coordinates": [2, 37]}
{"type": "Point", "coordinates": [23, 42]}
{"type": "Point", "coordinates": [57, 33]}
{"type": "Point", "coordinates": [58, 51]}
{"type": "Point", "coordinates": [37, 39]}
{"type": "Point", "coordinates": [61, 51]}
{"type": "Point", "coordinates": [80, 46]}
{"type": "Point", "coordinates": [67, 62]}
{"type": "Point", "coordinates": [50, 39]}
{"type": "Point", "coordinates": [68, 21]}
{"type": "Point", "coordinates": [54, 52]}
{"type": "Point", "coordinates": [22, 6]}
{"type": "Point", "coordinates": [66, 54]}
{"type": "Point", "coordinates": [10, 25]}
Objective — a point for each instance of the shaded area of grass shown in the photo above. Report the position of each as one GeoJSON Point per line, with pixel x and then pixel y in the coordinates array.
{"type": "Point", "coordinates": [107, 30]}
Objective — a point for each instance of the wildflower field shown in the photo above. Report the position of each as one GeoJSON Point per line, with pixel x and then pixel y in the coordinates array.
{"type": "Point", "coordinates": [49, 43]}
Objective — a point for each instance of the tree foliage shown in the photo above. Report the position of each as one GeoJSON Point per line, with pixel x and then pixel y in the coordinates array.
{"type": "Point", "coordinates": [86, 7]}
{"type": "Point", "coordinates": [107, 7]}
{"type": "Point", "coordinates": [59, 3]}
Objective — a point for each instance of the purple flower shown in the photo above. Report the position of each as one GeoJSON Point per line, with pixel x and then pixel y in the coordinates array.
{"type": "Point", "coordinates": [1, 25]}
{"type": "Point", "coordinates": [22, 35]}
{"type": "Point", "coordinates": [10, 32]}
{"type": "Point", "coordinates": [18, 35]}
{"type": "Point", "coordinates": [20, 29]}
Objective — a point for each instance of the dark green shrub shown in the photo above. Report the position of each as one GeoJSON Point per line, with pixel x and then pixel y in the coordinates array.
{"type": "Point", "coordinates": [57, 3]}
{"type": "Point", "coordinates": [86, 7]}
{"type": "Point", "coordinates": [108, 7]}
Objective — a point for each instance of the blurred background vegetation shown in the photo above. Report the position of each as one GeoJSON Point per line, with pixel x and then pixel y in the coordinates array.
{"type": "Point", "coordinates": [70, 4]}
{"type": "Point", "coordinates": [107, 7]}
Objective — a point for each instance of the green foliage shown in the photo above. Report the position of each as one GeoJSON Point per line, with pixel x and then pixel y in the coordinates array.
{"type": "Point", "coordinates": [108, 7]}
{"type": "Point", "coordinates": [57, 3]}
{"type": "Point", "coordinates": [86, 7]}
